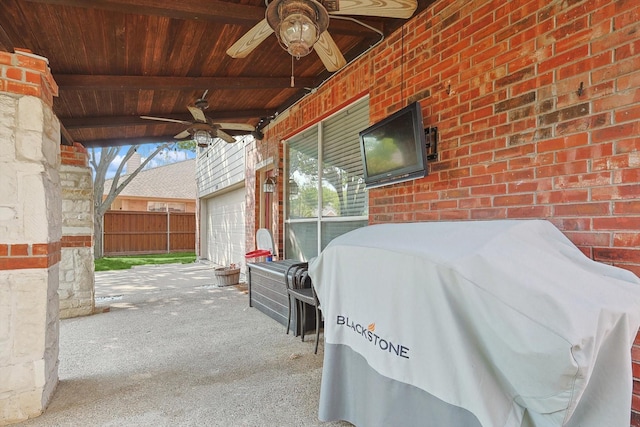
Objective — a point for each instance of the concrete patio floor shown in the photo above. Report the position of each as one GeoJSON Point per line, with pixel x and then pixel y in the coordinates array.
{"type": "Point", "coordinates": [176, 350]}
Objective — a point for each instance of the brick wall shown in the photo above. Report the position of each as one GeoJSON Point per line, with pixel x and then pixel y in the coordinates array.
{"type": "Point", "coordinates": [537, 105]}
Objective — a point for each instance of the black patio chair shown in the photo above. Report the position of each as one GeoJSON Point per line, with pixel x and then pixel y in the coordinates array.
{"type": "Point", "coordinates": [300, 288]}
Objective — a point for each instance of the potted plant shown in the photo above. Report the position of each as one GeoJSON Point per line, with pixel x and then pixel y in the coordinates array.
{"type": "Point", "coordinates": [226, 276]}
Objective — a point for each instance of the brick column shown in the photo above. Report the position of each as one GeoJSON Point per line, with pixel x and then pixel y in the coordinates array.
{"type": "Point", "coordinates": [76, 289]}
{"type": "Point", "coordinates": [30, 234]}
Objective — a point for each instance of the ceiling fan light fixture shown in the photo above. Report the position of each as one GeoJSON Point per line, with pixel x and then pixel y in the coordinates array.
{"type": "Point", "coordinates": [202, 138]}
{"type": "Point", "coordinates": [297, 24]}
{"type": "Point", "coordinates": [298, 34]}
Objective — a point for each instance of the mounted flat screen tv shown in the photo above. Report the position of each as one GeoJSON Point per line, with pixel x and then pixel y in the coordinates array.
{"type": "Point", "coordinates": [394, 149]}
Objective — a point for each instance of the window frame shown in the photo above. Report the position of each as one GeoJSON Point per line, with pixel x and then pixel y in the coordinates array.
{"type": "Point", "coordinates": [319, 219]}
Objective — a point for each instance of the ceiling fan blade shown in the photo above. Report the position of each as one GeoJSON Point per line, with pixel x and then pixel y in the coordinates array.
{"type": "Point", "coordinates": [197, 114]}
{"type": "Point", "coordinates": [161, 119]}
{"type": "Point", "coordinates": [183, 134]}
{"type": "Point", "coordinates": [329, 52]}
{"type": "Point", "coordinates": [382, 8]}
{"type": "Point", "coordinates": [250, 40]}
{"type": "Point", "coordinates": [235, 126]}
{"type": "Point", "coordinates": [225, 136]}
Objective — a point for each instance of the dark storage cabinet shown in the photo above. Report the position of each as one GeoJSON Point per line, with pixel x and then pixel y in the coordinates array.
{"type": "Point", "coordinates": [268, 293]}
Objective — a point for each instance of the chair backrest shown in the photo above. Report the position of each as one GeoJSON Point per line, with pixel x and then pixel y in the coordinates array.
{"type": "Point", "coordinates": [297, 276]}
{"type": "Point", "coordinates": [264, 240]}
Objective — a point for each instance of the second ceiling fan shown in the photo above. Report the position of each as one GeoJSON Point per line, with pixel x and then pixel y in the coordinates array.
{"type": "Point", "coordinates": [301, 25]}
{"type": "Point", "coordinates": [202, 129]}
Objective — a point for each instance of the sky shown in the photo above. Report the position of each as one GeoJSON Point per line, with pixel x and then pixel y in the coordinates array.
{"type": "Point", "coordinates": [164, 157]}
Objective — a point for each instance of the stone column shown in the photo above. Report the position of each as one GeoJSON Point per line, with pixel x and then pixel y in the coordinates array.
{"type": "Point", "coordinates": [30, 234]}
{"type": "Point", "coordinates": [76, 289]}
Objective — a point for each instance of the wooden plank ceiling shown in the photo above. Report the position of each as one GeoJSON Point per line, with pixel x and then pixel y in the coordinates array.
{"type": "Point", "coordinates": [115, 60]}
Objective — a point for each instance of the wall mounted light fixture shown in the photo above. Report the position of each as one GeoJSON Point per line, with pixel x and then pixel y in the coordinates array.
{"type": "Point", "coordinates": [269, 185]}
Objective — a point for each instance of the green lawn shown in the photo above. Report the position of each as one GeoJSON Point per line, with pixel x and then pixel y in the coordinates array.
{"type": "Point", "coordinates": [126, 262]}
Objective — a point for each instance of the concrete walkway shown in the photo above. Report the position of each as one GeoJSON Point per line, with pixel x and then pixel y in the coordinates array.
{"type": "Point", "coordinates": [176, 350]}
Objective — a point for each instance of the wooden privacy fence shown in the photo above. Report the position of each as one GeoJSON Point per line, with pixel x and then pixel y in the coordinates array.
{"type": "Point", "coordinates": [129, 233]}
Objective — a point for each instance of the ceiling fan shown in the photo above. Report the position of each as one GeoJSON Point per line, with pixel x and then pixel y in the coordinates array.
{"type": "Point", "coordinates": [301, 25]}
{"type": "Point", "coordinates": [202, 129]}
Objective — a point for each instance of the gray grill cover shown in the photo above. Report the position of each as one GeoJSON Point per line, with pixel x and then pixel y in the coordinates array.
{"type": "Point", "coordinates": [469, 324]}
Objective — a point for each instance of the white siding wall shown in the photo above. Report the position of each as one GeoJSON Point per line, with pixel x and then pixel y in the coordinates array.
{"type": "Point", "coordinates": [220, 173]}
{"type": "Point", "coordinates": [220, 166]}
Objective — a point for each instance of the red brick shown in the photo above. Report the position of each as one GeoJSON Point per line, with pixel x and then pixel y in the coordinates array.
{"type": "Point", "coordinates": [40, 249]}
{"type": "Point", "coordinates": [582, 209]}
{"type": "Point", "coordinates": [489, 190]}
{"type": "Point", "coordinates": [627, 145]}
{"type": "Point", "coordinates": [556, 144]}
{"type": "Point", "coordinates": [14, 73]}
{"type": "Point", "coordinates": [584, 180]}
{"type": "Point", "coordinates": [513, 200]}
{"type": "Point", "coordinates": [19, 250]}
{"type": "Point", "coordinates": [617, 254]}
{"type": "Point", "coordinates": [572, 224]}
{"type": "Point", "coordinates": [618, 223]}
{"type": "Point", "coordinates": [617, 100]}
{"type": "Point", "coordinates": [617, 69]}
{"type": "Point", "coordinates": [35, 64]}
{"type": "Point", "coordinates": [629, 114]}
{"type": "Point", "coordinates": [582, 37]}
{"type": "Point", "coordinates": [589, 238]}
{"type": "Point", "coordinates": [627, 51]}
{"type": "Point", "coordinates": [563, 59]}
{"type": "Point", "coordinates": [535, 186]}
{"type": "Point", "coordinates": [493, 213]}
{"type": "Point", "coordinates": [631, 240]}
{"type": "Point", "coordinates": [583, 124]}
{"type": "Point", "coordinates": [563, 196]}
{"type": "Point", "coordinates": [6, 58]}
{"type": "Point", "coordinates": [22, 88]}
{"type": "Point", "coordinates": [453, 215]}
{"type": "Point", "coordinates": [630, 17]}
{"type": "Point", "coordinates": [19, 263]}
{"type": "Point", "coordinates": [529, 212]}
{"type": "Point", "coordinates": [474, 203]}
{"type": "Point", "coordinates": [617, 192]}
{"type": "Point", "coordinates": [616, 132]}
{"type": "Point", "coordinates": [626, 208]}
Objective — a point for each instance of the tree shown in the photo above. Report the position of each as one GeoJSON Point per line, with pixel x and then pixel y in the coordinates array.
{"type": "Point", "coordinates": [338, 182]}
{"type": "Point", "coordinates": [100, 167]}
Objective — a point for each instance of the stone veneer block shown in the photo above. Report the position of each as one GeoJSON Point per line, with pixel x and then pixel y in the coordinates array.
{"type": "Point", "coordinates": [76, 291]}
{"type": "Point", "coordinates": [28, 356]}
{"type": "Point", "coordinates": [30, 242]}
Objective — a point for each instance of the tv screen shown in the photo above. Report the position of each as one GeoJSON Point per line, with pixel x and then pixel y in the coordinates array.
{"type": "Point", "coordinates": [394, 149]}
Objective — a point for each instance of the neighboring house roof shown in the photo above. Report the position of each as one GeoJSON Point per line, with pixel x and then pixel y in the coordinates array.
{"type": "Point", "coordinates": [171, 181]}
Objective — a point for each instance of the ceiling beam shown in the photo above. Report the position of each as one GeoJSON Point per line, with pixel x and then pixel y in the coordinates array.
{"type": "Point", "coordinates": [110, 83]}
{"type": "Point", "coordinates": [118, 142]}
{"type": "Point", "coordinates": [211, 10]}
{"type": "Point", "coordinates": [120, 121]}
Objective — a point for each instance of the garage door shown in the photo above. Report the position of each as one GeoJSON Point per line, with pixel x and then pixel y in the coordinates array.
{"type": "Point", "coordinates": [225, 228]}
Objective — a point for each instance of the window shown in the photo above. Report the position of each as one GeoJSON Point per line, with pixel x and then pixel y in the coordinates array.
{"type": "Point", "coordinates": [326, 194]}
{"type": "Point", "coordinates": [164, 206]}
